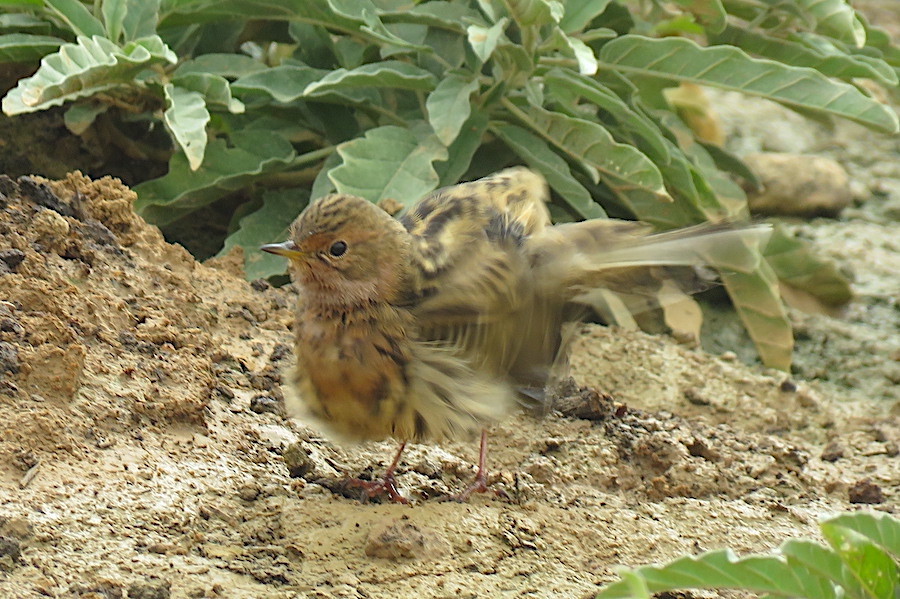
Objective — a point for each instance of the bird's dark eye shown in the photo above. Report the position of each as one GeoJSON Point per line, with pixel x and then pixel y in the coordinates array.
{"type": "Point", "coordinates": [338, 248]}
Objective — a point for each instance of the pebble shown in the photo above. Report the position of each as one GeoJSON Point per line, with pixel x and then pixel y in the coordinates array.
{"type": "Point", "coordinates": [865, 491]}
{"type": "Point", "coordinates": [798, 185]}
{"type": "Point", "coordinates": [401, 538]}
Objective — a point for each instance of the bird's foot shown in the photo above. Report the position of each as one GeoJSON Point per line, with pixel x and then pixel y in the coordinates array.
{"type": "Point", "coordinates": [479, 485]}
{"type": "Point", "coordinates": [386, 485]}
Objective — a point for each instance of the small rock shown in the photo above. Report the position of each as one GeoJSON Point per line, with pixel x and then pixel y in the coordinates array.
{"type": "Point", "coordinates": [153, 589]}
{"type": "Point", "coordinates": [11, 325]}
{"type": "Point", "coordinates": [263, 403]}
{"type": "Point", "coordinates": [298, 461]}
{"type": "Point", "coordinates": [51, 230]}
{"type": "Point", "coordinates": [401, 538]}
{"type": "Point", "coordinates": [799, 185]}
{"type": "Point", "coordinates": [10, 552]}
{"type": "Point", "coordinates": [865, 491]}
{"type": "Point", "coordinates": [249, 491]}
{"type": "Point", "coordinates": [12, 258]}
{"type": "Point", "coordinates": [788, 386]}
{"type": "Point", "coordinates": [9, 358]}
{"type": "Point", "coordinates": [260, 284]}
{"type": "Point", "coordinates": [42, 195]}
{"type": "Point", "coordinates": [832, 452]}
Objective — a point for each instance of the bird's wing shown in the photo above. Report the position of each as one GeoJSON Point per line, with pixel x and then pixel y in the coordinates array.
{"type": "Point", "coordinates": [473, 279]}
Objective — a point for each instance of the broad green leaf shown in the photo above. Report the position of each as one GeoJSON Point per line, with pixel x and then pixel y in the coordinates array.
{"type": "Point", "coordinates": [754, 294]}
{"type": "Point", "coordinates": [314, 12]}
{"type": "Point", "coordinates": [808, 51]}
{"type": "Point", "coordinates": [837, 19]}
{"type": "Point", "coordinates": [76, 16]}
{"type": "Point", "coordinates": [140, 19]}
{"type": "Point", "coordinates": [730, 163]}
{"type": "Point", "coordinates": [225, 65]}
{"type": "Point", "coordinates": [270, 224]}
{"type": "Point", "coordinates": [17, 22]}
{"type": "Point", "coordinates": [389, 162]}
{"type": "Point", "coordinates": [484, 40]}
{"type": "Point", "coordinates": [824, 563]}
{"type": "Point", "coordinates": [881, 529]}
{"type": "Point", "coordinates": [623, 168]}
{"type": "Point", "coordinates": [448, 106]}
{"type": "Point", "coordinates": [461, 151]}
{"type": "Point", "coordinates": [579, 14]}
{"type": "Point", "coordinates": [875, 570]}
{"type": "Point", "coordinates": [535, 12]}
{"type": "Point", "coordinates": [721, 570]}
{"type": "Point", "coordinates": [81, 115]}
{"type": "Point", "coordinates": [679, 59]}
{"type": "Point", "coordinates": [322, 184]}
{"type": "Point", "coordinates": [225, 169]}
{"type": "Point", "coordinates": [399, 38]}
{"type": "Point", "coordinates": [450, 16]}
{"type": "Point", "coordinates": [795, 263]}
{"type": "Point", "coordinates": [213, 88]}
{"type": "Point", "coordinates": [83, 69]}
{"type": "Point", "coordinates": [538, 155]}
{"type": "Point", "coordinates": [390, 73]}
{"type": "Point", "coordinates": [113, 12]}
{"type": "Point", "coordinates": [574, 47]}
{"type": "Point", "coordinates": [284, 83]}
{"type": "Point", "coordinates": [23, 47]}
{"type": "Point", "coordinates": [186, 117]}
{"type": "Point", "coordinates": [708, 12]}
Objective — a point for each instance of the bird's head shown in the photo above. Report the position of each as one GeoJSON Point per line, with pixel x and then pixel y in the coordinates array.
{"type": "Point", "coordinates": [344, 250]}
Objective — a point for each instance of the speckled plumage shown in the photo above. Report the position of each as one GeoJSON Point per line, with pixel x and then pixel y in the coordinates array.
{"type": "Point", "coordinates": [422, 327]}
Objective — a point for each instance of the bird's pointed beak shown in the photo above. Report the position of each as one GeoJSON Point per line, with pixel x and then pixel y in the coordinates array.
{"type": "Point", "coordinates": [288, 249]}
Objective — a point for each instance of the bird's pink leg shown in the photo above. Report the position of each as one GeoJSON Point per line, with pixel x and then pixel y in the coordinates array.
{"type": "Point", "coordinates": [480, 484]}
{"type": "Point", "coordinates": [386, 485]}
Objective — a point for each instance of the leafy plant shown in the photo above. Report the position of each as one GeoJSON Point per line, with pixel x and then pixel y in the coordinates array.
{"type": "Point", "coordinates": [860, 562]}
{"type": "Point", "coordinates": [392, 98]}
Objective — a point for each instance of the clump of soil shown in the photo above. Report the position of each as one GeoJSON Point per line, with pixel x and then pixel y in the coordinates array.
{"type": "Point", "coordinates": [143, 451]}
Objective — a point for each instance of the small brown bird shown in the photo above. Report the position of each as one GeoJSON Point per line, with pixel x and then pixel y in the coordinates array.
{"type": "Point", "coordinates": [424, 328]}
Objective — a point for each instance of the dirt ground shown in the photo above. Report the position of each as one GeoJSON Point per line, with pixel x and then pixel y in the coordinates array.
{"type": "Point", "coordinates": [143, 454]}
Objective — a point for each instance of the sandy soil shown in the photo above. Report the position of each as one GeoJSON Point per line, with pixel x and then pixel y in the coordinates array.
{"type": "Point", "coordinates": [143, 453]}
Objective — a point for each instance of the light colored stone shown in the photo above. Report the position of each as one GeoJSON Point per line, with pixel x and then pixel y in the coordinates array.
{"type": "Point", "coordinates": [798, 185]}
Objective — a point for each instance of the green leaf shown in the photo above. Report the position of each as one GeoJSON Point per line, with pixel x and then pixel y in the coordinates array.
{"type": "Point", "coordinates": [140, 19]}
{"type": "Point", "coordinates": [535, 12]}
{"type": "Point", "coordinates": [579, 14]}
{"type": "Point", "coordinates": [461, 151]}
{"type": "Point", "coordinates": [284, 83]}
{"type": "Point", "coordinates": [389, 162]}
{"type": "Point", "coordinates": [679, 59]}
{"type": "Point", "coordinates": [808, 50]}
{"type": "Point", "coordinates": [881, 529]}
{"type": "Point", "coordinates": [795, 263]}
{"type": "Point", "coordinates": [186, 117]}
{"type": "Point", "coordinates": [225, 65]}
{"type": "Point", "coordinates": [390, 73]}
{"type": "Point", "coordinates": [484, 40]}
{"type": "Point", "coordinates": [708, 12]}
{"type": "Point", "coordinates": [837, 19]}
{"type": "Point", "coordinates": [873, 568]}
{"type": "Point", "coordinates": [83, 69]}
{"type": "Point", "coordinates": [182, 190]}
{"type": "Point", "coordinates": [113, 12]}
{"type": "Point", "coordinates": [538, 155]}
{"type": "Point", "coordinates": [448, 106]}
{"type": "Point", "coordinates": [76, 16]}
{"type": "Point", "coordinates": [23, 47]}
{"type": "Point", "coordinates": [213, 88]}
{"type": "Point", "coordinates": [824, 563]}
{"type": "Point", "coordinates": [720, 570]}
{"type": "Point", "coordinates": [755, 296]}
{"type": "Point", "coordinates": [623, 168]}
{"type": "Point", "coordinates": [271, 223]}
{"type": "Point", "coordinates": [81, 115]}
